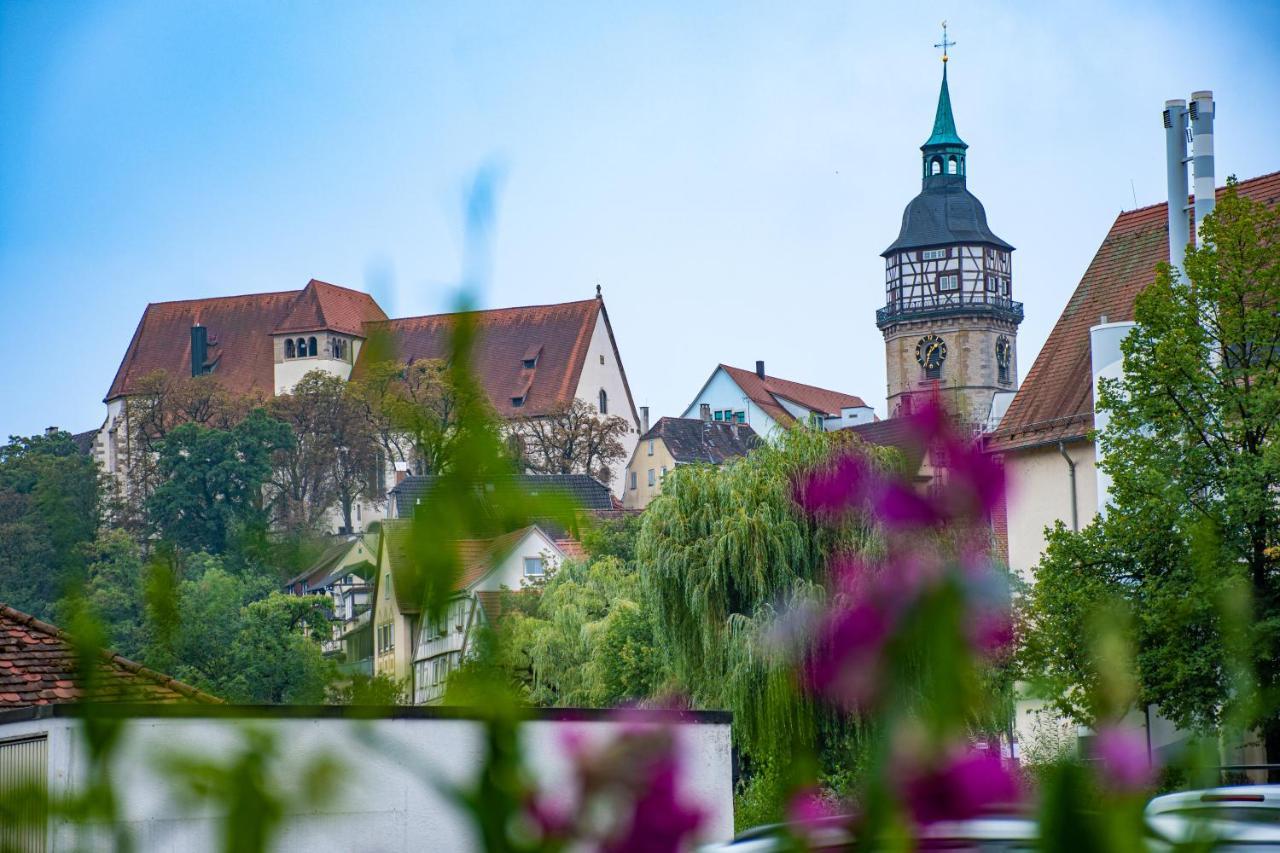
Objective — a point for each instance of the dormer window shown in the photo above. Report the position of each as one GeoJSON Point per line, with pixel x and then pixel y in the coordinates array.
{"type": "Point", "coordinates": [530, 360]}
{"type": "Point", "coordinates": [517, 402]}
{"type": "Point", "coordinates": [530, 363]}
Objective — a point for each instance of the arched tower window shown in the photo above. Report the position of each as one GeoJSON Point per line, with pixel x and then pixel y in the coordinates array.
{"type": "Point", "coordinates": [302, 348]}
{"type": "Point", "coordinates": [288, 348]}
{"type": "Point", "coordinates": [935, 166]}
{"type": "Point", "coordinates": [604, 402]}
{"type": "Point", "coordinates": [952, 166]}
{"type": "Point", "coordinates": [311, 346]}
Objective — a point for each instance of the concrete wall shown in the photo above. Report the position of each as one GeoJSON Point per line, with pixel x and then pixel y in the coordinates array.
{"type": "Point", "coordinates": [383, 799]}
{"type": "Point", "coordinates": [288, 371]}
{"type": "Point", "coordinates": [603, 370]}
{"type": "Point", "coordinates": [723, 393]}
{"type": "Point", "coordinates": [1040, 495]}
{"type": "Point", "coordinates": [641, 463]}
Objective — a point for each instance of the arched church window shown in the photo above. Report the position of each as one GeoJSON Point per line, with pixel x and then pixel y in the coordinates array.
{"type": "Point", "coordinates": [952, 166]}
{"type": "Point", "coordinates": [935, 166]}
{"type": "Point", "coordinates": [311, 346]}
{"type": "Point", "coordinates": [302, 347]}
{"type": "Point", "coordinates": [604, 402]}
{"type": "Point", "coordinates": [288, 348]}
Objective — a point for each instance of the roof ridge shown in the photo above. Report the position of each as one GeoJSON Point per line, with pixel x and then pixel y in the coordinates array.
{"type": "Point", "coordinates": [486, 310]}
{"type": "Point", "coordinates": [110, 656]}
{"type": "Point", "coordinates": [231, 296]}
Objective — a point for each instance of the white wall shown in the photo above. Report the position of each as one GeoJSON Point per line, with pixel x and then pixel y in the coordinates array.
{"type": "Point", "coordinates": [723, 393]}
{"type": "Point", "coordinates": [602, 370]}
{"type": "Point", "coordinates": [1039, 485]}
{"type": "Point", "coordinates": [382, 802]}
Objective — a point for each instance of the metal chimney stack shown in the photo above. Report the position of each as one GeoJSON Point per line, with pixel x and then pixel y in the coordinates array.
{"type": "Point", "coordinates": [1201, 110]}
{"type": "Point", "coordinates": [1175, 147]}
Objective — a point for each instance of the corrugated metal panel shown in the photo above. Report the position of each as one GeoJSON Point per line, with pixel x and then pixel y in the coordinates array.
{"type": "Point", "coordinates": [24, 780]}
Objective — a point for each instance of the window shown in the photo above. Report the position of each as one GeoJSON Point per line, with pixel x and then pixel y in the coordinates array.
{"type": "Point", "coordinates": [602, 358]}
{"type": "Point", "coordinates": [302, 347]}
{"type": "Point", "coordinates": [288, 348]}
{"type": "Point", "coordinates": [517, 402]}
{"type": "Point", "coordinates": [663, 474]}
{"type": "Point", "coordinates": [386, 586]}
{"type": "Point", "coordinates": [935, 166]}
{"type": "Point", "coordinates": [533, 566]}
{"type": "Point", "coordinates": [719, 414]}
{"type": "Point", "coordinates": [386, 638]}
{"type": "Point", "coordinates": [933, 254]}
{"type": "Point", "coordinates": [311, 346]}
{"type": "Point", "coordinates": [951, 281]}
{"type": "Point", "coordinates": [651, 447]}
{"type": "Point", "coordinates": [952, 168]}
{"type": "Point", "coordinates": [604, 401]}
{"type": "Point", "coordinates": [652, 477]}
{"type": "Point", "coordinates": [1004, 374]}
{"type": "Point", "coordinates": [740, 417]}
{"type": "Point", "coordinates": [633, 480]}
{"type": "Point", "coordinates": [993, 284]}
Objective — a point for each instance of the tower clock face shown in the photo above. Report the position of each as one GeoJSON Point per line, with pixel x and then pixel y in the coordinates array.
{"type": "Point", "coordinates": [931, 351]}
{"type": "Point", "coordinates": [1004, 351]}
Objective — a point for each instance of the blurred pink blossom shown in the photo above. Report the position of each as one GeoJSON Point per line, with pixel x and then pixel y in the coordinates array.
{"type": "Point", "coordinates": [1123, 761]}
{"type": "Point", "coordinates": [660, 820]}
{"type": "Point", "coordinates": [845, 663]}
{"type": "Point", "coordinates": [967, 785]}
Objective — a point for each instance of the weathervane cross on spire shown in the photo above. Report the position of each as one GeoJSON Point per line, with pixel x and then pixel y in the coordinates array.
{"type": "Point", "coordinates": [944, 44]}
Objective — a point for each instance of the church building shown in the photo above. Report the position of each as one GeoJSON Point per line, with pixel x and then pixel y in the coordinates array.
{"type": "Point", "coordinates": [950, 321]}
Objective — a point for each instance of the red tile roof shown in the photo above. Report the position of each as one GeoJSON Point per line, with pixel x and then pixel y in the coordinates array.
{"type": "Point", "coordinates": [1055, 403]}
{"type": "Point", "coordinates": [240, 329]}
{"type": "Point", "coordinates": [321, 305]}
{"type": "Point", "coordinates": [504, 337]}
{"type": "Point", "coordinates": [766, 393]}
{"type": "Point", "coordinates": [38, 667]}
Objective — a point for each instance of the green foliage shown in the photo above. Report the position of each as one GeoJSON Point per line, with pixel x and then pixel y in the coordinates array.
{"type": "Point", "coordinates": [721, 553]}
{"type": "Point", "coordinates": [212, 480]}
{"type": "Point", "coordinates": [50, 503]}
{"type": "Point", "coordinates": [1190, 542]}
{"type": "Point", "coordinates": [114, 592]}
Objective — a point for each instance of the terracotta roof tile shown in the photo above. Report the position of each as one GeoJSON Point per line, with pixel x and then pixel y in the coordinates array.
{"type": "Point", "coordinates": [504, 337]}
{"type": "Point", "coordinates": [766, 392]}
{"type": "Point", "coordinates": [1055, 401]}
{"type": "Point", "coordinates": [321, 305]}
{"type": "Point", "coordinates": [38, 667]}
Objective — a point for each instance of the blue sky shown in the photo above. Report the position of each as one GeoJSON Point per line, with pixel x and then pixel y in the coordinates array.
{"type": "Point", "coordinates": [728, 172]}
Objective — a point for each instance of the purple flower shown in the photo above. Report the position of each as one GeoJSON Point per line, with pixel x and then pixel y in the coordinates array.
{"type": "Point", "coordinates": [808, 806]}
{"type": "Point", "coordinates": [1124, 764]}
{"type": "Point", "coordinates": [845, 665]}
{"type": "Point", "coordinates": [660, 820]}
{"type": "Point", "coordinates": [964, 787]}
{"type": "Point", "coordinates": [835, 488]}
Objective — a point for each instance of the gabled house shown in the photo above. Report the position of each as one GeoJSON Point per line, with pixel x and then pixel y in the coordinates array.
{"type": "Point", "coordinates": [492, 568]}
{"type": "Point", "coordinates": [672, 442]}
{"type": "Point", "coordinates": [38, 666]}
{"type": "Point", "coordinates": [345, 572]}
{"type": "Point", "coordinates": [769, 404]}
{"type": "Point", "coordinates": [411, 648]}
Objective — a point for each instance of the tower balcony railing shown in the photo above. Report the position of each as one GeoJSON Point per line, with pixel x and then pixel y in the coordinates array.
{"type": "Point", "coordinates": [957, 302]}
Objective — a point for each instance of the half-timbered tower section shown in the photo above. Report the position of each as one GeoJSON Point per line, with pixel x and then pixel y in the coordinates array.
{"type": "Point", "coordinates": [949, 321]}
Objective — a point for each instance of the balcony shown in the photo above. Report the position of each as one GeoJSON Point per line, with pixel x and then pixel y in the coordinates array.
{"type": "Point", "coordinates": [958, 303]}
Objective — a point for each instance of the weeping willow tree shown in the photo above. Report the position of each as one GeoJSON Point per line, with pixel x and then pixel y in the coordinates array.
{"type": "Point", "coordinates": [729, 565]}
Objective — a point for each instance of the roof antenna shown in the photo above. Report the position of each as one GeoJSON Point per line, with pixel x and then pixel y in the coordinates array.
{"type": "Point", "coordinates": [1134, 190]}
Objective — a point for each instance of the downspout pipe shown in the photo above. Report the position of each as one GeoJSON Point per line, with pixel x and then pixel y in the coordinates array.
{"type": "Point", "coordinates": [1071, 468]}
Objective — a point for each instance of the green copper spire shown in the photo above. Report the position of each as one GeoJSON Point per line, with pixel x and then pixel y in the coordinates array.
{"type": "Point", "coordinates": [944, 123]}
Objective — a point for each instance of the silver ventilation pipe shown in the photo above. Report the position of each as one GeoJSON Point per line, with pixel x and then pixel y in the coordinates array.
{"type": "Point", "coordinates": [1201, 110]}
{"type": "Point", "coordinates": [1175, 148]}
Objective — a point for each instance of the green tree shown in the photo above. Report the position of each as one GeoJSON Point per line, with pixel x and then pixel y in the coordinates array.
{"type": "Point", "coordinates": [50, 502]}
{"type": "Point", "coordinates": [723, 552]}
{"type": "Point", "coordinates": [115, 592]}
{"type": "Point", "coordinates": [276, 656]}
{"type": "Point", "coordinates": [211, 488]}
{"type": "Point", "coordinates": [1191, 449]}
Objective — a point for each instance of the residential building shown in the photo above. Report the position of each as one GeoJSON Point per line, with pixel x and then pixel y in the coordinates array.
{"type": "Point", "coordinates": [769, 404]}
{"type": "Point", "coordinates": [531, 360]}
{"type": "Point", "coordinates": [1047, 437]}
{"type": "Point", "coordinates": [949, 321]}
{"type": "Point", "coordinates": [672, 442]}
{"type": "Point", "coordinates": [491, 570]}
{"type": "Point", "coordinates": [344, 572]}
{"type": "Point", "coordinates": [582, 491]}
{"type": "Point", "coordinates": [39, 666]}
{"type": "Point", "coordinates": [422, 652]}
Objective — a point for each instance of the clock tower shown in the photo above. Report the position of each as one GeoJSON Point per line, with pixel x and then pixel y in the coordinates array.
{"type": "Point", "coordinates": [949, 321]}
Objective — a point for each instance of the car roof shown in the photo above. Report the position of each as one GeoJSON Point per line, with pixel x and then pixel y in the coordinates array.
{"type": "Point", "coordinates": [1258, 796]}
